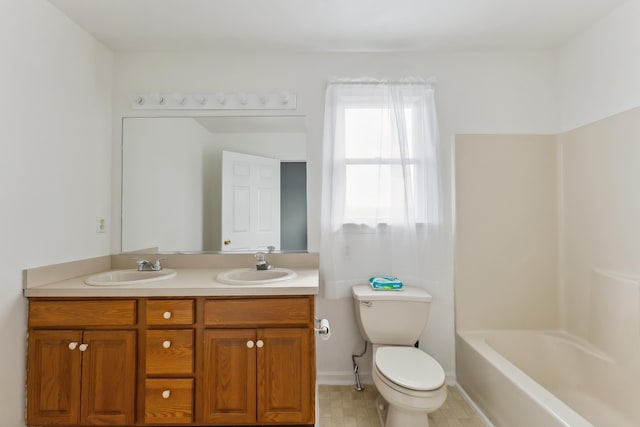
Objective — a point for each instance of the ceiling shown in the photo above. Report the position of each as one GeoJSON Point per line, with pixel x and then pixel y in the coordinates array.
{"type": "Point", "coordinates": [333, 25]}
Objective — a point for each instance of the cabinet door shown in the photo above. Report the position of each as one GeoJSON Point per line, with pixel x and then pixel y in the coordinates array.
{"type": "Point", "coordinates": [229, 379]}
{"type": "Point", "coordinates": [53, 378]}
{"type": "Point", "coordinates": [285, 376]}
{"type": "Point", "coordinates": [108, 377]}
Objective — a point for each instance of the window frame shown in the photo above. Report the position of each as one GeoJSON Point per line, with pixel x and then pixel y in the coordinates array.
{"type": "Point", "coordinates": [421, 214]}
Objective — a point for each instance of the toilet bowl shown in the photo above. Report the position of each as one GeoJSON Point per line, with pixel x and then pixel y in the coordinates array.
{"type": "Point", "coordinates": [410, 382]}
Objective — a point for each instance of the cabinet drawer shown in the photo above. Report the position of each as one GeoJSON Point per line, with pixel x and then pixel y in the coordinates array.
{"type": "Point", "coordinates": [168, 401]}
{"type": "Point", "coordinates": [82, 313]}
{"type": "Point", "coordinates": [169, 312]}
{"type": "Point", "coordinates": [258, 311]}
{"type": "Point", "coordinates": [169, 352]}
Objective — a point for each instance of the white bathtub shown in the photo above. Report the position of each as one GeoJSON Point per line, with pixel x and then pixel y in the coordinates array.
{"type": "Point", "coordinates": [545, 379]}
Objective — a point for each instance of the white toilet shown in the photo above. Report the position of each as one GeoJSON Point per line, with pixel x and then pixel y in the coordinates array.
{"type": "Point", "coordinates": [410, 382]}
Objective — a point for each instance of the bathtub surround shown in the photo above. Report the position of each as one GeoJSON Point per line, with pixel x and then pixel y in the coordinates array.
{"type": "Point", "coordinates": [595, 296]}
{"type": "Point", "coordinates": [601, 209]}
{"type": "Point", "coordinates": [506, 244]}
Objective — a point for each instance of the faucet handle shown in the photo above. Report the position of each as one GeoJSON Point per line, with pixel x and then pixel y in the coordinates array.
{"type": "Point", "coordinates": [156, 265]}
{"type": "Point", "coordinates": [262, 263]}
{"type": "Point", "coordinates": [141, 263]}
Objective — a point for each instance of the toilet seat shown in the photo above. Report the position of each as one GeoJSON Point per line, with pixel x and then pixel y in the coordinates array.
{"type": "Point", "coordinates": [410, 368]}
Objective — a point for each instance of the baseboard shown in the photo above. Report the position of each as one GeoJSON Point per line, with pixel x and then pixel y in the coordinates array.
{"type": "Point", "coordinates": [348, 378]}
{"type": "Point", "coordinates": [342, 378]}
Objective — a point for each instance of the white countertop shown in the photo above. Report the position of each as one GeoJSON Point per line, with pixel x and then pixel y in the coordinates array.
{"type": "Point", "coordinates": [188, 282]}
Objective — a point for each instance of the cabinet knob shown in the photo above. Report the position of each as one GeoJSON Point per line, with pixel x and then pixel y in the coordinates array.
{"type": "Point", "coordinates": [250, 344]}
{"type": "Point", "coordinates": [166, 315]}
{"type": "Point", "coordinates": [83, 347]}
{"type": "Point", "coordinates": [166, 344]}
{"type": "Point", "coordinates": [166, 394]}
{"type": "Point", "coordinates": [260, 343]}
{"type": "Point", "coordinates": [73, 345]}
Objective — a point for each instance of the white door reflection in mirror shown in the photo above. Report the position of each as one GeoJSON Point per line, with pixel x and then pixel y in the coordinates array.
{"type": "Point", "coordinates": [250, 201]}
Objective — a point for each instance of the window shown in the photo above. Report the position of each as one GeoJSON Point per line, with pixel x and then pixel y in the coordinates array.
{"type": "Point", "coordinates": [384, 150]}
{"type": "Point", "coordinates": [375, 173]}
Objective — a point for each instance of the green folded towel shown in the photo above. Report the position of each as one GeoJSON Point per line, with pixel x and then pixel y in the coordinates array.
{"type": "Point", "coordinates": [385, 283]}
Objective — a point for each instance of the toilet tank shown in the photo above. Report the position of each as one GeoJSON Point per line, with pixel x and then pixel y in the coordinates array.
{"type": "Point", "coordinates": [391, 317]}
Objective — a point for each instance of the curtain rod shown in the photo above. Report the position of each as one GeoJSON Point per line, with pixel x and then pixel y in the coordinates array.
{"type": "Point", "coordinates": [429, 81]}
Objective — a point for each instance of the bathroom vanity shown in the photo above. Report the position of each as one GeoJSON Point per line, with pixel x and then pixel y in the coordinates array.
{"type": "Point", "coordinates": [206, 354]}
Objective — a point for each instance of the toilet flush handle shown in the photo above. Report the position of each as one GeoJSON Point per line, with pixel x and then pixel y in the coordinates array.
{"type": "Point", "coordinates": [366, 303]}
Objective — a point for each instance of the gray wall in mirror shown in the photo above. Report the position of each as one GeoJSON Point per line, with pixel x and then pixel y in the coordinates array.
{"type": "Point", "coordinates": [171, 178]}
{"type": "Point", "coordinates": [293, 206]}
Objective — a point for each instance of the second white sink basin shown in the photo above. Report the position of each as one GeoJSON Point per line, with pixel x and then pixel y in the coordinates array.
{"type": "Point", "coordinates": [128, 277]}
{"type": "Point", "coordinates": [251, 276]}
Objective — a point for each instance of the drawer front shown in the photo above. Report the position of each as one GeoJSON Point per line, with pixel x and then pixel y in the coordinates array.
{"type": "Point", "coordinates": [169, 312]}
{"type": "Point", "coordinates": [258, 311]}
{"type": "Point", "coordinates": [168, 401]}
{"type": "Point", "coordinates": [82, 313]}
{"type": "Point", "coordinates": [169, 352]}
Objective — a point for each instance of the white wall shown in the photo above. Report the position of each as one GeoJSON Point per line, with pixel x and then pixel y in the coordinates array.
{"type": "Point", "coordinates": [476, 92]}
{"type": "Point", "coordinates": [55, 167]}
{"type": "Point", "coordinates": [598, 70]}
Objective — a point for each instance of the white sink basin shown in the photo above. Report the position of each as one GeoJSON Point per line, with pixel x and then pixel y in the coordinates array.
{"type": "Point", "coordinates": [251, 276]}
{"type": "Point", "coordinates": [129, 277]}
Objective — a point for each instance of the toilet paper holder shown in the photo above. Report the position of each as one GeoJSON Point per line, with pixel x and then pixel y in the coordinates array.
{"type": "Point", "coordinates": [323, 328]}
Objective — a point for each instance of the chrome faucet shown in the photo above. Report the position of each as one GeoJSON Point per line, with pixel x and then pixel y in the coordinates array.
{"type": "Point", "coordinates": [145, 265]}
{"type": "Point", "coordinates": [262, 263]}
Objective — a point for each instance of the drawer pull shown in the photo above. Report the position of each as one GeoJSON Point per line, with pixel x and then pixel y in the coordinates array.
{"type": "Point", "coordinates": [166, 394]}
{"type": "Point", "coordinates": [166, 315]}
{"type": "Point", "coordinates": [250, 344]}
{"type": "Point", "coordinates": [260, 343]}
{"type": "Point", "coordinates": [166, 344]}
{"type": "Point", "coordinates": [83, 347]}
{"type": "Point", "coordinates": [73, 345]}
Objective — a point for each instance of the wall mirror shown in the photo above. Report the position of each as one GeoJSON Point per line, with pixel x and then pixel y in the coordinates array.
{"type": "Point", "coordinates": [214, 184]}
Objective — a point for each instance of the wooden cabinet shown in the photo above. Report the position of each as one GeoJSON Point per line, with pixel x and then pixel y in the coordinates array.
{"type": "Point", "coordinates": [81, 376]}
{"type": "Point", "coordinates": [264, 374]}
{"type": "Point", "coordinates": [229, 381]}
{"type": "Point", "coordinates": [171, 361]}
{"type": "Point", "coordinates": [284, 382]}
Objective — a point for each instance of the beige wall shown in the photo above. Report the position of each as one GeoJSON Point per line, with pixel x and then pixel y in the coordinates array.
{"type": "Point", "coordinates": [601, 217]}
{"type": "Point", "coordinates": [506, 232]}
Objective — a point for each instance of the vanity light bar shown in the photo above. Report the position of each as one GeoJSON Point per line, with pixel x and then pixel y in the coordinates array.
{"type": "Point", "coordinates": [213, 101]}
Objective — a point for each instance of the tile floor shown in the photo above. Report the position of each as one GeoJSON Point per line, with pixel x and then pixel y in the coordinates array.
{"type": "Point", "coordinates": [342, 406]}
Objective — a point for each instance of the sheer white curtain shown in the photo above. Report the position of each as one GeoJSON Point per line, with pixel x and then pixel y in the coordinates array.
{"type": "Point", "coordinates": [380, 194]}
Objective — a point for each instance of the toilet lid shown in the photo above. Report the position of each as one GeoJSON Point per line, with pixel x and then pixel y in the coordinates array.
{"type": "Point", "coordinates": [410, 367]}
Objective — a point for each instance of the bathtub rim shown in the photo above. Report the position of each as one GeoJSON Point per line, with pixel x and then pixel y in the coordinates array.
{"type": "Point", "coordinates": [563, 413]}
